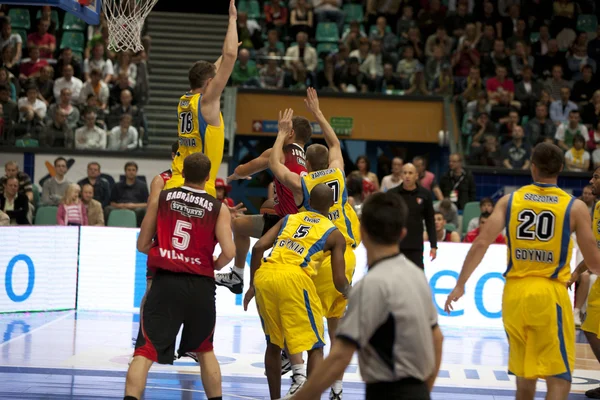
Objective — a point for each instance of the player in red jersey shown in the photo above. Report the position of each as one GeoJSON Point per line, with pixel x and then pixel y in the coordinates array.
{"type": "Point", "coordinates": [255, 226]}
{"type": "Point", "coordinates": [187, 223]}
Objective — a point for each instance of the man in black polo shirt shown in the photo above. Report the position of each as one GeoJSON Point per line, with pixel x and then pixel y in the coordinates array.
{"type": "Point", "coordinates": [420, 208]}
{"type": "Point", "coordinates": [100, 185]}
{"type": "Point", "coordinates": [131, 194]}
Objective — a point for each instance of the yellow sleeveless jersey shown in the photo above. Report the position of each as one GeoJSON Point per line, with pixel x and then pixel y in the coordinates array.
{"type": "Point", "coordinates": [538, 223]}
{"type": "Point", "coordinates": [342, 214]}
{"type": "Point", "coordinates": [300, 242]}
{"type": "Point", "coordinates": [195, 136]}
{"type": "Point", "coordinates": [596, 223]}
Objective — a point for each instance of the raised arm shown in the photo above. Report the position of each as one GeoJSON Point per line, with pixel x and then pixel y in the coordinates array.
{"type": "Point", "coordinates": [337, 245]}
{"type": "Point", "coordinates": [244, 171]}
{"type": "Point", "coordinates": [225, 238]}
{"type": "Point", "coordinates": [336, 160]}
{"type": "Point", "coordinates": [580, 217]}
{"type": "Point", "coordinates": [281, 172]}
{"type": "Point", "coordinates": [156, 186]}
{"type": "Point", "coordinates": [148, 229]}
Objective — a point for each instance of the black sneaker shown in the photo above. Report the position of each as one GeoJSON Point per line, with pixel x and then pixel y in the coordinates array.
{"type": "Point", "coordinates": [230, 280]}
{"type": "Point", "coordinates": [593, 393]}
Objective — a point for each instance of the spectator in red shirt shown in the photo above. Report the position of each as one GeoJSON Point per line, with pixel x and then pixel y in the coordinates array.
{"type": "Point", "coordinates": [472, 235]}
{"type": "Point", "coordinates": [500, 83]}
{"type": "Point", "coordinates": [276, 16]}
{"type": "Point", "coordinates": [464, 59]}
{"type": "Point", "coordinates": [42, 39]}
{"type": "Point", "coordinates": [222, 191]}
{"type": "Point", "coordinates": [31, 68]}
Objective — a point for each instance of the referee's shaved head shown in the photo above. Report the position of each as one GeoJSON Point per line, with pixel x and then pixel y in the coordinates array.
{"type": "Point", "coordinates": [321, 198]}
{"type": "Point", "coordinates": [196, 168]}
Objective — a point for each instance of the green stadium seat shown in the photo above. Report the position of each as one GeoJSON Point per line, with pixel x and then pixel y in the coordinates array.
{"type": "Point", "coordinates": [250, 7]}
{"type": "Point", "coordinates": [470, 211]}
{"type": "Point", "coordinates": [20, 18]}
{"type": "Point", "coordinates": [327, 48]}
{"type": "Point", "coordinates": [27, 142]}
{"type": "Point", "coordinates": [73, 40]}
{"type": "Point", "coordinates": [353, 12]}
{"type": "Point", "coordinates": [327, 32]}
{"type": "Point", "coordinates": [587, 23]}
{"type": "Point", "coordinates": [373, 30]}
{"type": "Point", "coordinates": [524, 120]}
{"type": "Point", "coordinates": [450, 227]}
{"type": "Point", "coordinates": [534, 37]}
{"type": "Point", "coordinates": [122, 218]}
{"type": "Point", "coordinates": [23, 34]}
{"type": "Point", "coordinates": [320, 65]}
{"type": "Point", "coordinates": [46, 215]}
{"type": "Point", "coordinates": [280, 46]}
{"type": "Point", "coordinates": [347, 29]}
{"type": "Point", "coordinates": [53, 16]}
{"type": "Point", "coordinates": [36, 195]}
{"type": "Point", "coordinates": [73, 23]}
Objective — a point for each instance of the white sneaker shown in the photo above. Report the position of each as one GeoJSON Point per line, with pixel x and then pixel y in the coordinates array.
{"type": "Point", "coordinates": [297, 382]}
{"type": "Point", "coordinates": [577, 317]}
{"type": "Point", "coordinates": [335, 396]}
{"type": "Point", "coordinates": [230, 280]}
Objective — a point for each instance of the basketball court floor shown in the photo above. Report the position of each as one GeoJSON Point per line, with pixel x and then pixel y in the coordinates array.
{"type": "Point", "coordinates": [84, 355]}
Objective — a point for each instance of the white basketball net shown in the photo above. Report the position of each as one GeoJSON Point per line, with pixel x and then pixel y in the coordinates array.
{"type": "Point", "coordinates": [125, 20]}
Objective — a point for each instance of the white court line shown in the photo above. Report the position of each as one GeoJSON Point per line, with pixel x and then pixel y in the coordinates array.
{"type": "Point", "coordinates": [39, 328]}
{"type": "Point", "coordinates": [201, 391]}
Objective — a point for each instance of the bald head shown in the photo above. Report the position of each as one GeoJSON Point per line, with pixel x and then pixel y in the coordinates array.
{"type": "Point", "coordinates": [321, 198]}
{"type": "Point", "coordinates": [409, 175]}
{"type": "Point", "coordinates": [317, 157]}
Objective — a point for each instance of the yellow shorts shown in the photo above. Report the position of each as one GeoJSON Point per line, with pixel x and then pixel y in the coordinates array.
{"type": "Point", "coordinates": [538, 320]}
{"type": "Point", "coordinates": [332, 301]}
{"type": "Point", "coordinates": [289, 308]}
{"type": "Point", "coordinates": [177, 181]}
{"type": "Point", "coordinates": [592, 319]}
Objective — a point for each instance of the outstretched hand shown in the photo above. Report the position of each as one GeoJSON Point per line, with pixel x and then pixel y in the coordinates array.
{"type": "Point", "coordinates": [236, 177]}
{"type": "Point", "coordinates": [248, 297]}
{"type": "Point", "coordinates": [456, 294]}
{"type": "Point", "coordinates": [285, 121]}
{"type": "Point", "coordinates": [312, 101]}
{"type": "Point", "coordinates": [237, 211]}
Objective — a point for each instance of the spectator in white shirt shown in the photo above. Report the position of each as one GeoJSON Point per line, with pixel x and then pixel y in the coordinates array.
{"type": "Point", "coordinates": [124, 136]}
{"type": "Point", "coordinates": [124, 64]}
{"type": "Point", "coordinates": [96, 87]}
{"type": "Point", "coordinates": [566, 132]}
{"type": "Point", "coordinates": [90, 136]}
{"type": "Point", "coordinates": [309, 58]}
{"type": "Point", "coordinates": [32, 103]}
{"type": "Point", "coordinates": [395, 178]}
{"type": "Point", "coordinates": [98, 61]}
{"type": "Point", "coordinates": [68, 81]}
{"type": "Point", "coordinates": [373, 64]}
{"type": "Point", "coordinates": [7, 38]}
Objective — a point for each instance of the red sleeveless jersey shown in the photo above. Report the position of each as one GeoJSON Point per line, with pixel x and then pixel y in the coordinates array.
{"type": "Point", "coordinates": [185, 232]}
{"type": "Point", "coordinates": [284, 198]}
{"type": "Point", "coordinates": [166, 175]}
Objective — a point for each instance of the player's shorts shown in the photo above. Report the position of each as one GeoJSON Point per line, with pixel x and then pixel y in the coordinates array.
{"type": "Point", "coordinates": [177, 181]}
{"type": "Point", "coordinates": [592, 319]}
{"type": "Point", "coordinates": [289, 308]}
{"type": "Point", "coordinates": [270, 220]}
{"type": "Point", "coordinates": [332, 301]}
{"type": "Point", "coordinates": [539, 325]}
{"type": "Point", "coordinates": [175, 299]}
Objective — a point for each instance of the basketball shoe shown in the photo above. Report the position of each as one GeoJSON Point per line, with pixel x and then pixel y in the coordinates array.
{"type": "Point", "coordinates": [230, 280]}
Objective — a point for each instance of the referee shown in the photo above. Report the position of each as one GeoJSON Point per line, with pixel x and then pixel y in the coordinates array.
{"type": "Point", "coordinates": [391, 319]}
{"type": "Point", "coordinates": [420, 208]}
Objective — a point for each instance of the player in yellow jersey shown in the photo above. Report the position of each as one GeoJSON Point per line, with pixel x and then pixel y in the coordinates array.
{"type": "Point", "coordinates": [201, 127]}
{"type": "Point", "coordinates": [286, 296]}
{"type": "Point", "coordinates": [324, 167]}
{"type": "Point", "coordinates": [536, 309]}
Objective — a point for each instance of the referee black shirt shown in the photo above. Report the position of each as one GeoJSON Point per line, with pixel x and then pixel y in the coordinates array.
{"type": "Point", "coordinates": [420, 208]}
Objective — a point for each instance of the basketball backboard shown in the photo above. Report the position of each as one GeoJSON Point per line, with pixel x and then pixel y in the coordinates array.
{"type": "Point", "coordinates": [89, 13]}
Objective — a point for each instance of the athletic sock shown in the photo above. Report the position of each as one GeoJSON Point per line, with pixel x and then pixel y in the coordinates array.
{"type": "Point", "coordinates": [299, 369]}
{"type": "Point", "coordinates": [337, 387]}
{"type": "Point", "coordinates": [130, 398]}
{"type": "Point", "coordinates": [239, 271]}
{"type": "Point", "coordinates": [216, 398]}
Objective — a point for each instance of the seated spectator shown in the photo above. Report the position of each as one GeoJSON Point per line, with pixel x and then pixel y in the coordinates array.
{"type": "Point", "coordinates": [309, 54]}
{"type": "Point", "coordinates": [71, 211]}
{"type": "Point", "coordinates": [544, 64]}
{"type": "Point", "coordinates": [7, 61]}
{"type": "Point", "coordinates": [578, 60]}
{"type": "Point", "coordinates": [100, 63]}
{"type": "Point", "coordinates": [486, 41]}
{"type": "Point", "coordinates": [528, 91]}
{"type": "Point", "coordinates": [10, 114]}
{"type": "Point", "coordinates": [520, 59]}
{"type": "Point", "coordinates": [519, 36]}
{"type": "Point", "coordinates": [362, 52]}
{"type": "Point", "coordinates": [444, 84]}
{"type": "Point", "coordinates": [125, 65]}
{"type": "Point", "coordinates": [473, 86]}
{"type": "Point", "coordinates": [70, 82]}
{"type": "Point", "coordinates": [352, 38]}
{"type": "Point", "coordinates": [495, 59]}
{"type": "Point", "coordinates": [124, 136]}
{"type": "Point", "coordinates": [47, 14]}
{"type": "Point", "coordinates": [95, 215]}
{"type": "Point", "coordinates": [418, 85]}
{"type": "Point", "coordinates": [92, 104]}
{"type": "Point", "coordinates": [271, 76]}
{"type": "Point", "coordinates": [389, 82]}
{"type": "Point", "coordinates": [540, 127]}
{"type": "Point", "coordinates": [448, 210]}
{"type": "Point", "coordinates": [591, 112]}
{"type": "Point", "coordinates": [395, 178]}
{"type": "Point", "coordinates": [508, 124]}
{"type": "Point", "coordinates": [13, 203]}
{"type": "Point", "coordinates": [301, 19]}
{"type": "Point", "coordinates": [500, 83]}
{"type": "Point", "coordinates": [130, 194]}
{"type": "Point", "coordinates": [576, 158]}
{"type": "Point", "coordinates": [117, 89]}
{"type": "Point", "coordinates": [442, 234]}
{"type": "Point", "coordinates": [456, 22]}
{"type": "Point", "coordinates": [65, 105]}
{"type": "Point", "coordinates": [45, 41]}
{"type": "Point", "coordinates": [517, 152]}
{"type": "Point", "coordinates": [329, 11]}
{"type": "Point", "coordinates": [276, 16]}
{"type": "Point", "coordinates": [439, 38]}
{"type": "Point", "coordinates": [125, 106]}
{"type": "Point", "coordinates": [480, 128]}
{"type": "Point", "coordinates": [45, 85]}
{"type": "Point", "coordinates": [97, 87]}
{"type": "Point", "coordinates": [249, 32]}
{"type": "Point", "coordinates": [561, 109]}
{"type": "Point", "coordinates": [388, 40]}
{"type": "Point", "coordinates": [90, 136]}
{"type": "Point", "coordinates": [57, 132]}
{"type": "Point", "coordinates": [4, 219]}
{"type": "Point", "coordinates": [7, 38]}
{"type": "Point", "coordinates": [245, 72]}
{"type": "Point", "coordinates": [407, 66]}
{"type": "Point", "coordinates": [66, 58]}
{"type": "Point", "coordinates": [99, 184]}
{"type": "Point", "coordinates": [352, 80]}
{"type": "Point", "coordinates": [488, 155]}
{"type": "Point", "coordinates": [566, 132]}
{"type": "Point", "coordinates": [11, 170]}
{"type": "Point", "coordinates": [31, 103]}
{"type": "Point", "coordinates": [583, 90]}
{"type": "Point", "coordinates": [433, 67]}
{"type": "Point", "coordinates": [299, 79]}
{"type": "Point", "coordinates": [540, 48]}
{"type": "Point", "coordinates": [263, 54]}
{"type": "Point", "coordinates": [556, 84]}
{"type": "Point", "coordinates": [472, 235]}
{"type": "Point", "coordinates": [486, 205]}
{"type": "Point", "coordinates": [222, 191]}
{"type": "Point", "coordinates": [414, 40]}
{"type": "Point", "coordinates": [54, 188]}
{"type": "Point", "coordinates": [30, 67]}
{"type": "Point", "coordinates": [464, 59]}
{"type": "Point", "coordinates": [406, 21]}
{"type": "Point", "coordinates": [593, 47]}
{"type": "Point", "coordinates": [5, 80]}
{"type": "Point", "coordinates": [372, 66]}
{"type": "Point", "coordinates": [431, 16]}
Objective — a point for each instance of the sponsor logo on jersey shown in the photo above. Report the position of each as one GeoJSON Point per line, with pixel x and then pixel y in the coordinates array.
{"type": "Point", "coordinates": [184, 103]}
{"type": "Point", "coordinates": [186, 210]}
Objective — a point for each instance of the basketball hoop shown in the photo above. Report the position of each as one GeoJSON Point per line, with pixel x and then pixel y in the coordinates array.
{"type": "Point", "coordinates": [125, 19]}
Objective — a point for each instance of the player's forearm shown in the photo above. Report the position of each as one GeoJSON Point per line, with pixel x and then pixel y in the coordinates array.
{"type": "Point", "coordinates": [473, 259]}
{"type": "Point", "coordinates": [581, 268]}
{"type": "Point", "coordinates": [222, 261]}
{"type": "Point", "coordinates": [230, 45]}
{"type": "Point", "coordinates": [253, 167]}
{"type": "Point", "coordinates": [255, 263]}
{"type": "Point", "coordinates": [328, 132]}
